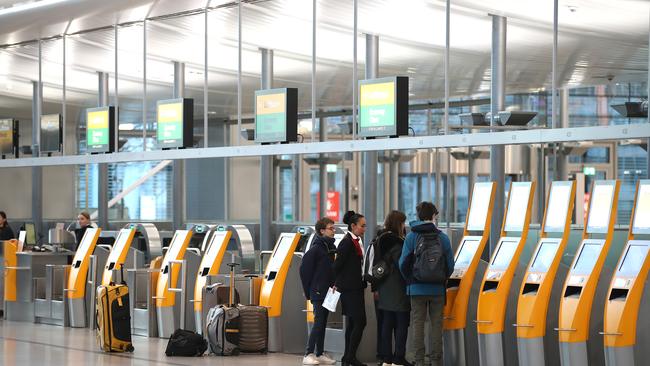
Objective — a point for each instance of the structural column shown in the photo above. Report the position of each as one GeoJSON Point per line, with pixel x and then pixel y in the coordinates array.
{"type": "Point", "coordinates": [178, 166]}
{"type": "Point", "coordinates": [393, 182]}
{"type": "Point", "coordinates": [102, 200]}
{"type": "Point", "coordinates": [498, 94]}
{"type": "Point", "coordinates": [37, 171]}
{"type": "Point", "coordinates": [266, 167]}
{"type": "Point", "coordinates": [322, 170]}
{"type": "Point", "coordinates": [370, 157]}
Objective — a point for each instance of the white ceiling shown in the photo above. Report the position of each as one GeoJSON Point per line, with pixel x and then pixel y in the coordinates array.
{"type": "Point", "coordinates": [598, 40]}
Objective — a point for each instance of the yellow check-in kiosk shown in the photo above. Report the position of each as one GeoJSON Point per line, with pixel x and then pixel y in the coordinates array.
{"type": "Point", "coordinates": [281, 293]}
{"type": "Point", "coordinates": [543, 280]}
{"type": "Point", "coordinates": [10, 249]}
{"type": "Point", "coordinates": [173, 281]}
{"type": "Point", "coordinates": [117, 257]}
{"type": "Point", "coordinates": [577, 297]}
{"type": "Point", "coordinates": [463, 280]}
{"type": "Point", "coordinates": [77, 279]}
{"type": "Point", "coordinates": [495, 298]}
{"type": "Point", "coordinates": [626, 334]}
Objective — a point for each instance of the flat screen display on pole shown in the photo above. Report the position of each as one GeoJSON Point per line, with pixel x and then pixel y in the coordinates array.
{"type": "Point", "coordinates": [276, 115]}
{"type": "Point", "coordinates": [517, 206]}
{"type": "Point", "coordinates": [383, 107]}
{"type": "Point", "coordinates": [641, 223]}
{"type": "Point", "coordinates": [558, 205]}
{"type": "Point", "coordinates": [175, 119]}
{"type": "Point", "coordinates": [8, 137]}
{"type": "Point", "coordinates": [479, 206]}
{"type": "Point", "coordinates": [100, 129]}
{"type": "Point", "coordinates": [51, 133]}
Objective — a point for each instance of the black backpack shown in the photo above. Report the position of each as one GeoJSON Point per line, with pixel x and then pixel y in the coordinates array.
{"type": "Point", "coordinates": [429, 265]}
{"type": "Point", "coordinates": [186, 343]}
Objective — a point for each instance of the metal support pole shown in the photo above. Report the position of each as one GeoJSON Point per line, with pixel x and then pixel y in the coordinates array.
{"type": "Point", "coordinates": [438, 170]}
{"type": "Point", "coordinates": [239, 61]}
{"type": "Point", "coordinates": [266, 166]}
{"type": "Point", "coordinates": [297, 173]}
{"type": "Point", "coordinates": [393, 171]}
{"type": "Point", "coordinates": [322, 171]}
{"type": "Point", "coordinates": [144, 85]}
{"type": "Point", "coordinates": [102, 201]}
{"type": "Point", "coordinates": [178, 166]}
{"type": "Point", "coordinates": [313, 70]}
{"type": "Point", "coordinates": [554, 104]}
{"type": "Point", "coordinates": [117, 95]}
{"type": "Point", "coordinates": [370, 157]}
{"type": "Point", "coordinates": [648, 94]}
{"type": "Point", "coordinates": [355, 81]}
{"type": "Point", "coordinates": [498, 94]}
{"type": "Point", "coordinates": [37, 172]}
{"type": "Point", "coordinates": [64, 100]}
{"type": "Point", "coordinates": [562, 173]}
{"type": "Point", "coordinates": [205, 77]}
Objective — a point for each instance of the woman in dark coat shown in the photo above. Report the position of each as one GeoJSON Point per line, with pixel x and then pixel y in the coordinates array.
{"type": "Point", "coordinates": [393, 300]}
{"type": "Point", "coordinates": [6, 233]}
{"type": "Point", "coordinates": [349, 282]}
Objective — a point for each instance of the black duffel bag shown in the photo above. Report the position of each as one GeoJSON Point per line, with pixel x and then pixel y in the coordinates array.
{"type": "Point", "coordinates": [186, 343]}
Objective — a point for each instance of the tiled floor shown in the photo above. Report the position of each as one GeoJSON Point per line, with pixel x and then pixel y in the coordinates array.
{"type": "Point", "coordinates": [33, 344]}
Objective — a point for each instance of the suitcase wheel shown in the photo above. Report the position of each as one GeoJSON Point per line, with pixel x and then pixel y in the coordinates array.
{"type": "Point", "coordinates": [130, 348]}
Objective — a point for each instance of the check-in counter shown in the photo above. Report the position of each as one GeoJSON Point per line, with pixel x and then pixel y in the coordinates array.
{"type": "Point", "coordinates": [462, 286]}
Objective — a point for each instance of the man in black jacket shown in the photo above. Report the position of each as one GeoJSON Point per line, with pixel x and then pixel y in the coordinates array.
{"type": "Point", "coordinates": [317, 277]}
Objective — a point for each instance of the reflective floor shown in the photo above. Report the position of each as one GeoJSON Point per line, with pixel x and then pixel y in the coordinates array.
{"type": "Point", "coordinates": [35, 344]}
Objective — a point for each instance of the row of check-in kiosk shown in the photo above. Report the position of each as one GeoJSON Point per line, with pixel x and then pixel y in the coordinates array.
{"type": "Point", "coordinates": [538, 300]}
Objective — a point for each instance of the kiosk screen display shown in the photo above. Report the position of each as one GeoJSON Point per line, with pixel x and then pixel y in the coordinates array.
{"type": "Point", "coordinates": [98, 129]}
{"type": "Point", "coordinates": [118, 247]}
{"type": "Point", "coordinates": [466, 253]}
{"type": "Point", "coordinates": [517, 206]}
{"type": "Point", "coordinates": [503, 257]}
{"type": "Point", "coordinates": [281, 251]}
{"type": "Point", "coordinates": [558, 206]}
{"type": "Point", "coordinates": [600, 208]}
{"type": "Point", "coordinates": [85, 245]}
{"type": "Point", "coordinates": [634, 258]}
{"type": "Point", "coordinates": [642, 210]}
{"type": "Point", "coordinates": [174, 248]}
{"type": "Point", "coordinates": [587, 258]}
{"type": "Point", "coordinates": [544, 257]}
{"type": "Point", "coordinates": [216, 242]}
{"type": "Point", "coordinates": [479, 206]}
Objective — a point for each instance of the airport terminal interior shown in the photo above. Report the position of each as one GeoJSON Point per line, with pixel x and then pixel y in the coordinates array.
{"type": "Point", "coordinates": [202, 140]}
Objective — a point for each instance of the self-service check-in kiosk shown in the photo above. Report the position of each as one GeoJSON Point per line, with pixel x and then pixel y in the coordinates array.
{"type": "Point", "coordinates": [10, 248]}
{"type": "Point", "coordinates": [122, 257]}
{"type": "Point", "coordinates": [626, 336]}
{"type": "Point", "coordinates": [543, 280]}
{"type": "Point", "coordinates": [462, 284]}
{"type": "Point", "coordinates": [281, 293]}
{"type": "Point", "coordinates": [496, 301]}
{"type": "Point", "coordinates": [574, 324]}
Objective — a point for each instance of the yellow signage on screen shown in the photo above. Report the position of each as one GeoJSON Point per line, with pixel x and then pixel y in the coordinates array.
{"type": "Point", "coordinates": [270, 103]}
{"type": "Point", "coordinates": [172, 112]}
{"type": "Point", "coordinates": [98, 119]}
{"type": "Point", "coordinates": [377, 94]}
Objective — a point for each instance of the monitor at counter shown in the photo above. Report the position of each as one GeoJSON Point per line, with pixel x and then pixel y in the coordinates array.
{"type": "Point", "coordinates": [30, 233]}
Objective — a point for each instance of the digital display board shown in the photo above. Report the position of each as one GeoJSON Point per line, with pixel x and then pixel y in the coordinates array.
{"type": "Point", "coordinates": [544, 256]}
{"type": "Point", "coordinates": [383, 107]}
{"type": "Point", "coordinates": [558, 206]}
{"type": "Point", "coordinates": [517, 206]}
{"type": "Point", "coordinates": [51, 133]}
{"type": "Point", "coordinates": [641, 222]}
{"type": "Point", "coordinates": [479, 206]}
{"type": "Point", "coordinates": [600, 207]}
{"type": "Point", "coordinates": [100, 129]}
{"type": "Point", "coordinates": [587, 258]}
{"type": "Point", "coordinates": [175, 123]}
{"type": "Point", "coordinates": [8, 136]}
{"type": "Point", "coordinates": [634, 258]}
{"type": "Point", "coordinates": [505, 253]}
{"type": "Point", "coordinates": [466, 253]}
{"type": "Point", "coordinates": [276, 115]}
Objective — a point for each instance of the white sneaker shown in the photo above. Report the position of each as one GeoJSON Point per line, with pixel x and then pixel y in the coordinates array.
{"type": "Point", "coordinates": [324, 359]}
{"type": "Point", "coordinates": [310, 359]}
{"type": "Point", "coordinates": [386, 364]}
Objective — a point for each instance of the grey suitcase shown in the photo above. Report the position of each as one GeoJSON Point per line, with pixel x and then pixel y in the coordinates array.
{"type": "Point", "coordinates": [222, 329]}
{"type": "Point", "coordinates": [253, 328]}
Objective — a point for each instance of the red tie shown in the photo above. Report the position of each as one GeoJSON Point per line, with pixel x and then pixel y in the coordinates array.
{"type": "Point", "coordinates": [357, 247]}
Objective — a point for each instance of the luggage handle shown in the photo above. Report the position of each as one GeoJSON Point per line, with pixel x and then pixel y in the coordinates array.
{"type": "Point", "coordinates": [231, 296]}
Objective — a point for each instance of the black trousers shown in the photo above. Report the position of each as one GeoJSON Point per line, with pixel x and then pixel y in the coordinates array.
{"type": "Point", "coordinates": [317, 335]}
{"type": "Point", "coordinates": [355, 316]}
{"type": "Point", "coordinates": [379, 315]}
{"type": "Point", "coordinates": [395, 323]}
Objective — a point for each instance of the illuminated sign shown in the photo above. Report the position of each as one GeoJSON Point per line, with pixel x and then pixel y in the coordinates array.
{"type": "Point", "coordinates": [175, 119]}
{"type": "Point", "coordinates": [383, 107]}
{"type": "Point", "coordinates": [276, 115]}
{"type": "Point", "coordinates": [100, 129]}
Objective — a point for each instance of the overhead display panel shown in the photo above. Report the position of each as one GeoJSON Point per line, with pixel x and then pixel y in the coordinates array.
{"type": "Point", "coordinates": [600, 208]}
{"type": "Point", "coordinates": [276, 115]}
{"type": "Point", "coordinates": [100, 130]}
{"type": "Point", "coordinates": [517, 206]}
{"type": "Point", "coordinates": [641, 223]}
{"type": "Point", "coordinates": [383, 107]}
{"type": "Point", "coordinates": [175, 118]}
{"type": "Point", "coordinates": [8, 137]}
{"type": "Point", "coordinates": [479, 206]}
{"type": "Point", "coordinates": [51, 133]}
{"type": "Point", "coordinates": [558, 206]}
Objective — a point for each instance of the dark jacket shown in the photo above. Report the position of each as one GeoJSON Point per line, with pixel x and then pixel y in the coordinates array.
{"type": "Point", "coordinates": [392, 290]}
{"type": "Point", "coordinates": [316, 271]}
{"type": "Point", "coordinates": [406, 260]}
{"type": "Point", "coordinates": [79, 234]}
{"type": "Point", "coordinates": [347, 266]}
{"type": "Point", "coordinates": [6, 233]}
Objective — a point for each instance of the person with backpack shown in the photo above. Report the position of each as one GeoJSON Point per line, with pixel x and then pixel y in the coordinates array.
{"type": "Point", "coordinates": [393, 300]}
{"type": "Point", "coordinates": [426, 262]}
{"type": "Point", "coordinates": [349, 282]}
{"type": "Point", "coordinates": [317, 277]}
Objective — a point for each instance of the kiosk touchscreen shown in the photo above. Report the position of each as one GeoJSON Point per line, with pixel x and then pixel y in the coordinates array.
{"type": "Point", "coordinates": [496, 300]}
{"type": "Point", "coordinates": [76, 290]}
{"type": "Point", "coordinates": [541, 278]}
{"type": "Point", "coordinates": [466, 263]}
{"type": "Point", "coordinates": [577, 297]}
{"type": "Point", "coordinates": [117, 256]}
{"type": "Point", "coordinates": [625, 342]}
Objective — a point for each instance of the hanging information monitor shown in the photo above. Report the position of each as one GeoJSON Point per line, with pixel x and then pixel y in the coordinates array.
{"type": "Point", "coordinates": [276, 115]}
{"type": "Point", "coordinates": [175, 118]}
{"type": "Point", "coordinates": [8, 137]}
{"type": "Point", "coordinates": [100, 130]}
{"type": "Point", "coordinates": [51, 133]}
{"type": "Point", "coordinates": [383, 107]}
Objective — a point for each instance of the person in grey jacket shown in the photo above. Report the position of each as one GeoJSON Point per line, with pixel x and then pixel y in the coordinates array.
{"type": "Point", "coordinates": [393, 300]}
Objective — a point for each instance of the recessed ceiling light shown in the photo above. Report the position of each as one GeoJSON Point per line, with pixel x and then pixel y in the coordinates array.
{"type": "Point", "coordinates": [572, 8]}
